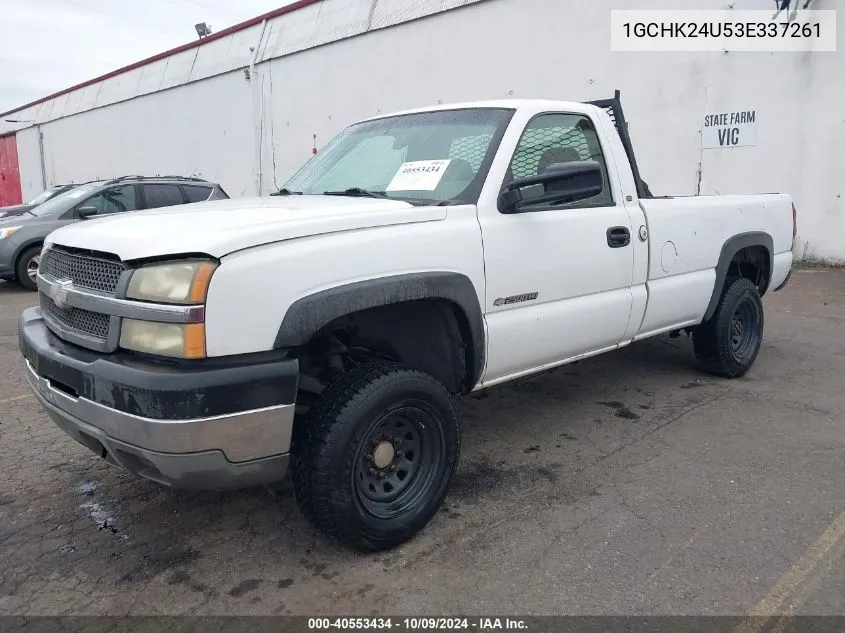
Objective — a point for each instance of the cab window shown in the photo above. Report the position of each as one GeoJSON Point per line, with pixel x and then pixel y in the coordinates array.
{"type": "Point", "coordinates": [558, 138]}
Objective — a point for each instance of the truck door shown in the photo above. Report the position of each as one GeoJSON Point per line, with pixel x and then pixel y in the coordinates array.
{"type": "Point", "coordinates": [558, 275]}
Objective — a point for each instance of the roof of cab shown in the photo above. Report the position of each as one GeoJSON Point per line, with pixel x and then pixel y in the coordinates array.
{"type": "Point", "coordinates": [510, 104]}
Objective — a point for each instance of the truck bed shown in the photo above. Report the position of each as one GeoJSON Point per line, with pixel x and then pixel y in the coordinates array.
{"type": "Point", "coordinates": [686, 236]}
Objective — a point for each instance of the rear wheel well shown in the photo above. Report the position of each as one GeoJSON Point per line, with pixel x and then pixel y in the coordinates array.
{"type": "Point", "coordinates": [744, 256]}
{"type": "Point", "coordinates": [429, 335]}
{"type": "Point", "coordinates": [752, 263]}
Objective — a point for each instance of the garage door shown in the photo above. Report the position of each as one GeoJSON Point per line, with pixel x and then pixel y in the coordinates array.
{"type": "Point", "coordinates": [10, 175]}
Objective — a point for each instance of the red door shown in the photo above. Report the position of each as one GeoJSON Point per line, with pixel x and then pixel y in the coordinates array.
{"type": "Point", "coordinates": [10, 174]}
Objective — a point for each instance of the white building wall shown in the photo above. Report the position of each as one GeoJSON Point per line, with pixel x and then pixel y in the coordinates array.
{"type": "Point", "coordinates": [316, 73]}
{"type": "Point", "coordinates": [820, 165]}
{"type": "Point", "coordinates": [29, 161]}
{"type": "Point", "coordinates": [203, 129]}
{"type": "Point", "coordinates": [560, 50]}
{"type": "Point", "coordinates": [492, 50]}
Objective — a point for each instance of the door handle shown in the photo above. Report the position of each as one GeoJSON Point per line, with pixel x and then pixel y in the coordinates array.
{"type": "Point", "coordinates": [618, 236]}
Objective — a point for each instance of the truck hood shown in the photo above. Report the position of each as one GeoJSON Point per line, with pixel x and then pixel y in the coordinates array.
{"type": "Point", "coordinates": [224, 226]}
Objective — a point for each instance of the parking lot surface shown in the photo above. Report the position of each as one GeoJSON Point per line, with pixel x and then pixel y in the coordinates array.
{"type": "Point", "coordinates": [624, 484]}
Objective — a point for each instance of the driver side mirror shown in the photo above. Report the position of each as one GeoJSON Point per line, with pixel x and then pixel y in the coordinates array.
{"type": "Point", "coordinates": [562, 183]}
{"type": "Point", "coordinates": [86, 212]}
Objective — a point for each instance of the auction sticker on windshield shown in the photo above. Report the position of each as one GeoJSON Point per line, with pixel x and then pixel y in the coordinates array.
{"type": "Point", "coordinates": [419, 175]}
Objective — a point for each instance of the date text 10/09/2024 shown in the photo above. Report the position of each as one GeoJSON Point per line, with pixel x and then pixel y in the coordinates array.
{"type": "Point", "coordinates": [417, 624]}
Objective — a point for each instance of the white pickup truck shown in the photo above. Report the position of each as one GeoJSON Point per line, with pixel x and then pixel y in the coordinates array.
{"type": "Point", "coordinates": [418, 256]}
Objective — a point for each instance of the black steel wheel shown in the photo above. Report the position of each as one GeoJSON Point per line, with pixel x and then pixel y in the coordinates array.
{"type": "Point", "coordinates": [398, 461]}
{"type": "Point", "coordinates": [728, 343]}
{"type": "Point", "coordinates": [746, 329]}
{"type": "Point", "coordinates": [373, 461]}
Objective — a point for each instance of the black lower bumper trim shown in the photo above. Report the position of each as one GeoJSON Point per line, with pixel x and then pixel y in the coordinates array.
{"type": "Point", "coordinates": [162, 390]}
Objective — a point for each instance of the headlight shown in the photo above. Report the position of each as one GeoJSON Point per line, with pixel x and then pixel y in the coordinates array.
{"type": "Point", "coordinates": [164, 339]}
{"type": "Point", "coordinates": [10, 230]}
{"type": "Point", "coordinates": [183, 282]}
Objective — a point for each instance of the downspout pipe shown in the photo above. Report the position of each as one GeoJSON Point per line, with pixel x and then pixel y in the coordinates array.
{"type": "Point", "coordinates": [257, 108]}
{"type": "Point", "coordinates": [41, 156]}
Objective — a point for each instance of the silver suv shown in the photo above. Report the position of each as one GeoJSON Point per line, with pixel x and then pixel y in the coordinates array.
{"type": "Point", "coordinates": [21, 236]}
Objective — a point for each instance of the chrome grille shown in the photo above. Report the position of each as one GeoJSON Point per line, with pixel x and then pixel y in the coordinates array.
{"type": "Point", "coordinates": [77, 320]}
{"type": "Point", "coordinates": [85, 272]}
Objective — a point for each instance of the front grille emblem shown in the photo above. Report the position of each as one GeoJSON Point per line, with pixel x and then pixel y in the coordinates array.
{"type": "Point", "coordinates": [59, 292]}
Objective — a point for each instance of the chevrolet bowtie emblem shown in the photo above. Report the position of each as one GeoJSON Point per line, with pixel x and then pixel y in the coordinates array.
{"type": "Point", "coordinates": [59, 292]}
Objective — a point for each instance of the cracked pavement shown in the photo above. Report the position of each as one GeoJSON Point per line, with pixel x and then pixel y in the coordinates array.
{"type": "Point", "coordinates": [624, 484]}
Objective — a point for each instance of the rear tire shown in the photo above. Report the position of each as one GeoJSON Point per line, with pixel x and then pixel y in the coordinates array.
{"type": "Point", "coordinates": [728, 343]}
{"type": "Point", "coordinates": [373, 460]}
{"type": "Point", "coordinates": [27, 266]}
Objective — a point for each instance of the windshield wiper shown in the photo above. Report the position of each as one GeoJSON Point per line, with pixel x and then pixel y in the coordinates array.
{"type": "Point", "coordinates": [357, 192]}
{"type": "Point", "coordinates": [286, 192]}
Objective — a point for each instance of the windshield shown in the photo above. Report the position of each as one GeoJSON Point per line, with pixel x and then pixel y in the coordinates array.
{"type": "Point", "coordinates": [64, 201]}
{"type": "Point", "coordinates": [428, 157]}
{"type": "Point", "coordinates": [42, 197]}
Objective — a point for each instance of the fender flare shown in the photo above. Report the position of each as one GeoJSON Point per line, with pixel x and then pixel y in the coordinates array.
{"type": "Point", "coordinates": [309, 314]}
{"type": "Point", "coordinates": [729, 250]}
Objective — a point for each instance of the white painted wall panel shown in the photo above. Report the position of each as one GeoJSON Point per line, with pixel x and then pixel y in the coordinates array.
{"type": "Point", "coordinates": [819, 162]}
{"type": "Point", "coordinates": [211, 59]}
{"type": "Point", "coordinates": [150, 76]}
{"type": "Point", "coordinates": [189, 130]}
{"type": "Point", "coordinates": [178, 69]}
{"type": "Point", "coordinates": [390, 12]}
{"type": "Point", "coordinates": [38, 112]}
{"type": "Point", "coordinates": [295, 30]}
{"type": "Point", "coordinates": [226, 54]}
{"type": "Point", "coordinates": [665, 96]}
{"type": "Point", "coordinates": [58, 109]}
{"type": "Point", "coordinates": [345, 18]}
{"type": "Point", "coordinates": [88, 97]}
{"type": "Point", "coordinates": [351, 63]}
{"type": "Point", "coordinates": [433, 60]}
{"type": "Point", "coordinates": [48, 110]}
{"type": "Point", "coordinates": [29, 161]}
{"type": "Point", "coordinates": [239, 54]}
{"type": "Point", "coordinates": [73, 103]}
{"type": "Point", "coordinates": [118, 88]}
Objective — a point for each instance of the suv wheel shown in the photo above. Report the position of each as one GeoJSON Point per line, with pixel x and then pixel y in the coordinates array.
{"type": "Point", "coordinates": [374, 458]}
{"type": "Point", "coordinates": [27, 267]}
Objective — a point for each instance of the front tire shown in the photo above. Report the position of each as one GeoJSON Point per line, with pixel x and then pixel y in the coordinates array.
{"type": "Point", "coordinates": [27, 267]}
{"type": "Point", "coordinates": [373, 460]}
{"type": "Point", "coordinates": [728, 343]}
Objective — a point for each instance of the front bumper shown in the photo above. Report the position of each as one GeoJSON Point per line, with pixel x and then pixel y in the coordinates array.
{"type": "Point", "coordinates": [211, 425]}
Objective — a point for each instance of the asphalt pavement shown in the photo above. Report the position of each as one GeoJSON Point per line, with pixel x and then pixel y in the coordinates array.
{"type": "Point", "coordinates": [626, 484]}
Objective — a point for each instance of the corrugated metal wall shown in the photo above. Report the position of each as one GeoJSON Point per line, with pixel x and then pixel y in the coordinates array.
{"type": "Point", "coordinates": [198, 113]}
{"type": "Point", "coordinates": [312, 26]}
